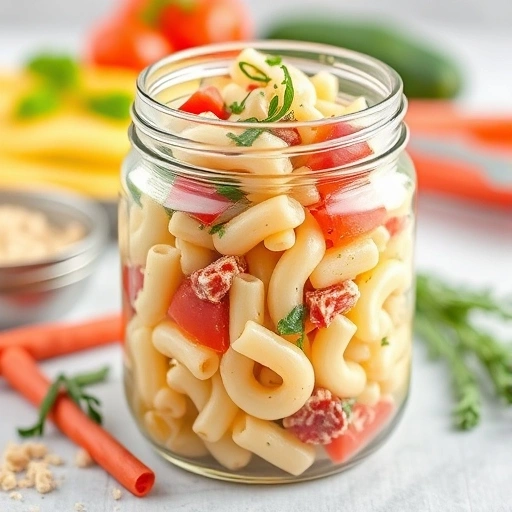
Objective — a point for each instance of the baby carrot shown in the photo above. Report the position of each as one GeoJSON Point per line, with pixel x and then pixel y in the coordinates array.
{"type": "Point", "coordinates": [22, 373]}
{"type": "Point", "coordinates": [55, 339]}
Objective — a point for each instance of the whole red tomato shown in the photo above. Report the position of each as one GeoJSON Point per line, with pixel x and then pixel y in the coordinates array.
{"type": "Point", "coordinates": [128, 43]}
{"type": "Point", "coordinates": [188, 23]}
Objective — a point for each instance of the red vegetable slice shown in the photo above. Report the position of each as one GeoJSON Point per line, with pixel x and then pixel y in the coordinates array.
{"type": "Point", "coordinates": [199, 200]}
{"type": "Point", "coordinates": [206, 99]}
{"type": "Point", "coordinates": [206, 322]}
{"type": "Point", "coordinates": [338, 228]}
{"type": "Point", "coordinates": [340, 156]}
{"type": "Point", "coordinates": [396, 224]}
{"type": "Point", "coordinates": [290, 135]}
{"type": "Point", "coordinates": [366, 424]}
{"type": "Point", "coordinates": [133, 281]}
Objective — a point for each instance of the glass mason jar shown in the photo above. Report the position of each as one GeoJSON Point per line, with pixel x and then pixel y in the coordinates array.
{"type": "Point", "coordinates": [268, 286]}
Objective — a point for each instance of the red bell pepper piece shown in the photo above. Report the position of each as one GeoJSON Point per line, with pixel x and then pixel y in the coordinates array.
{"type": "Point", "coordinates": [206, 322]}
{"type": "Point", "coordinates": [206, 99]}
{"type": "Point", "coordinates": [366, 424]}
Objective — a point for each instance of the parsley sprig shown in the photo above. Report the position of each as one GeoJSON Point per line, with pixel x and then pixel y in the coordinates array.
{"type": "Point", "coordinates": [275, 113]}
{"type": "Point", "coordinates": [294, 323]}
{"type": "Point", "coordinates": [74, 387]}
{"type": "Point", "coordinates": [444, 320]}
{"type": "Point", "coordinates": [253, 72]}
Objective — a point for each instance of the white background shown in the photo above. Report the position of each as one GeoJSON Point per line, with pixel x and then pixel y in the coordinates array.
{"type": "Point", "coordinates": [425, 466]}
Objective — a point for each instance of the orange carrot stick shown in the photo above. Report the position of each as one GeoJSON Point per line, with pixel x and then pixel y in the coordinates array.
{"type": "Point", "coordinates": [55, 339]}
{"type": "Point", "coordinates": [22, 373]}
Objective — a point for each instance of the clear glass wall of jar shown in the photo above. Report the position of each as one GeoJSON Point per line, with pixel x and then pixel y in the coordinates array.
{"type": "Point", "coordinates": [268, 288]}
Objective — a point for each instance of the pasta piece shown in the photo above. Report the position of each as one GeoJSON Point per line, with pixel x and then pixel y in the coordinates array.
{"type": "Point", "coordinates": [158, 427]}
{"type": "Point", "coordinates": [401, 246]}
{"type": "Point", "coordinates": [258, 344]}
{"type": "Point", "coordinates": [305, 194]}
{"type": "Point", "coordinates": [345, 379]}
{"type": "Point", "coordinates": [233, 93]}
{"type": "Point", "coordinates": [286, 287]}
{"type": "Point", "coordinates": [148, 228]}
{"type": "Point", "coordinates": [170, 402]}
{"type": "Point", "coordinates": [281, 241]}
{"type": "Point", "coordinates": [370, 395]}
{"type": "Point", "coordinates": [223, 161]}
{"type": "Point", "coordinates": [380, 236]}
{"type": "Point", "coordinates": [380, 364]}
{"type": "Point", "coordinates": [345, 262]}
{"type": "Point", "coordinates": [326, 86]}
{"type": "Point", "coordinates": [252, 226]}
{"type": "Point", "coordinates": [194, 257]}
{"type": "Point", "coordinates": [185, 442]}
{"type": "Point", "coordinates": [357, 351]}
{"type": "Point", "coordinates": [269, 378]}
{"type": "Point", "coordinates": [375, 287]}
{"type": "Point", "coordinates": [308, 113]}
{"type": "Point", "coordinates": [181, 380]}
{"type": "Point", "coordinates": [227, 453]}
{"type": "Point", "coordinates": [399, 380]}
{"type": "Point", "coordinates": [186, 228]}
{"type": "Point", "coordinates": [398, 308]}
{"type": "Point", "coordinates": [150, 366]}
{"type": "Point", "coordinates": [162, 277]}
{"type": "Point", "coordinates": [217, 415]}
{"type": "Point", "coordinates": [273, 444]}
{"type": "Point", "coordinates": [247, 302]}
{"type": "Point", "coordinates": [356, 106]}
{"type": "Point", "coordinates": [169, 340]}
{"type": "Point", "coordinates": [261, 263]}
{"type": "Point", "coordinates": [330, 108]}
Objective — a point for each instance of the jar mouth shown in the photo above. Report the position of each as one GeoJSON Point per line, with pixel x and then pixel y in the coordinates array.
{"type": "Point", "coordinates": [379, 77]}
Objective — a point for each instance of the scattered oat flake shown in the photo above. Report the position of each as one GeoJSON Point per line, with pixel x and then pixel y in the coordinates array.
{"type": "Point", "coordinates": [36, 450]}
{"type": "Point", "coordinates": [80, 507]}
{"type": "Point", "coordinates": [83, 459]}
{"type": "Point", "coordinates": [16, 496]}
{"type": "Point", "coordinates": [7, 480]}
{"type": "Point", "coordinates": [116, 493]}
{"type": "Point", "coordinates": [53, 459]}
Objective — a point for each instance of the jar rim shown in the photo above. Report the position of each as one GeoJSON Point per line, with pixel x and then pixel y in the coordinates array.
{"type": "Point", "coordinates": [389, 104]}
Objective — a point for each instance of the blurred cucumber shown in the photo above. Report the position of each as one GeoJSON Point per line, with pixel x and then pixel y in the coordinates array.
{"type": "Point", "coordinates": [426, 73]}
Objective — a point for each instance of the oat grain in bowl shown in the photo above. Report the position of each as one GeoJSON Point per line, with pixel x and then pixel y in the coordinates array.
{"type": "Point", "coordinates": [266, 234]}
{"type": "Point", "coordinates": [27, 235]}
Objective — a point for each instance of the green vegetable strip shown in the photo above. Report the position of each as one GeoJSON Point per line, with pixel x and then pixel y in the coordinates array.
{"type": "Point", "coordinates": [73, 386]}
{"type": "Point", "coordinates": [466, 413]}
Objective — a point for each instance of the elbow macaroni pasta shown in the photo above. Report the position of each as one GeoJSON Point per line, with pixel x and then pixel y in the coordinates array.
{"type": "Point", "coordinates": [190, 230]}
{"type": "Point", "coordinates": [170, 341]}
{"type": "Point", "coordinates": [267, 348]}
{"type": "Point", "coordinates": [286, 285]}
{"type": "Point", "coordinates": [332, 371]}
{"type": "Point", "coordinates": [260, 221]}
{"type": "Point", "coordinates": [273, 444]}
{"type": "Point", "coordinates": [162, 276]}
{"type": "Point", "coordinates": [194, 257]}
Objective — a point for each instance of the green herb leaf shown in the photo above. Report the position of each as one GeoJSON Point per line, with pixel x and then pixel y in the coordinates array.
{"type": "Point", "coordinates": [289, 94]}
{"type": "Point", "coordinates": [38, 103]}
{"type": "Point", "coordinates": [218, 229]}
{"type": "Point", "coordinates": [254, 73]}
{"type": "Point", "coordinates": [384, 342]}
{"type": "Point", "coordinates": [293, 323]}
{"type": "Point", "coordinates": [73, 386]}
{"type": "Point", "coordinates": [59, 71]}
{"type": "Point", "coordinates": [347, 405]}
{"type": "Point", "coordinates": [115, 105]}
{"type": "Point", "coordinates": [273, 60]}
{"type": "Point", "coordinates": [273, 106]}
{"type": "Point", "coordinates": [134, 191]}
{"type": "Point", "coordinates": [238, 108]}
{"type": "Point", "coordinates": [231, 192]}
{"type": "Point", "coordinates": [246, 138]}
{"type": "Point", "coordinates": [44, 410]}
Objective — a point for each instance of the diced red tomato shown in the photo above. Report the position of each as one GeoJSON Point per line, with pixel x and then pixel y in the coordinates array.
{"type": "Point", "coordinates": [206, 322]}
{"type": "Point", "coordinates": [396, 224]}
{"type": "Point", "coordinates": [133, 281]}
{"type": "Point", "coordinates": [206, 99]}
{"type": "Point", "coordinates": [340, 227]}
{"type": "Point", "coordinates": [199, 200]}
{"type": "Point", "coordinates": [365, 425]}
{"type": "Point", "coordinates": [290, 135]}
{"type": "Point", "coordinates": [336, 157]}
{"type": "Point", "coordinates": [252, 87]}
